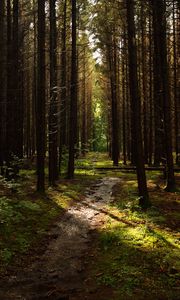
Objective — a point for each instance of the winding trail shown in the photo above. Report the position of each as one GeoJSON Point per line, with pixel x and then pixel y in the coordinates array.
{"type": "Point", "coordinates": [59, 273]}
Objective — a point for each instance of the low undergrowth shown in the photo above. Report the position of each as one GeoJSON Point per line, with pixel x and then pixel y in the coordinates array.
{"type": "Point", "coordinates": [22, 222]}
{"type": "Point", "coordinates": [138, 256]}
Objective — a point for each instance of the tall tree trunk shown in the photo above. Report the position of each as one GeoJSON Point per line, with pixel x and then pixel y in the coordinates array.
{"type": "Point", "coordinates": [14, 98]}
{"type": "Point", "coordinates": [63, 82]}
{"type": "Point", "coordinates": [144, 80]}
{"type": "Point", "coordinates": [136, 107]}
{"type": "Point", "coordinates": [158, 101]}
{"type": "Point", "coordinates": [9, 122]}
{"type": "Point", "coordinates": [53, 126]}
{"type": "Point", "coordinates": [151, 107]}
{"type": "Point", "coordinates": [178, 82]}
{"type": "Point", "coordinates": [112, 61]}
{"type": "Point", "coordinates": [130, 146]}
{"type": "Point", "coordinates": [124, 106]}
{"type": "Point", "coordinates": [73, 102]}
{"type": "Point", "coordinates": [18, 42]}
{"type": "Point", "coordinates": [40, 101]}
{"type": "Point", "coordinates": [2, 83]}
{"type": "Point", "coordinates": [84, 109]}
{"type": "Point", "coordinates": [159, 11]}
{"type": "Point", "coordinates": [115, 129]}
{"type": "Point", "coordinates": [34, 83]}
{"type": "Point", "coordinates": [175, 62]}
{"type": "Point", "coordinates": [17, 145]}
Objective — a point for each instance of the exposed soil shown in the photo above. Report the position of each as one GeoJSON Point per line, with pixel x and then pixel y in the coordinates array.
{"type": "Point", "coordinates": [60, 272]}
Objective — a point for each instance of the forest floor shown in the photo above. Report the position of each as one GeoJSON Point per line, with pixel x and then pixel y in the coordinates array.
{"type": "Point", "coordinates": [88, 238]}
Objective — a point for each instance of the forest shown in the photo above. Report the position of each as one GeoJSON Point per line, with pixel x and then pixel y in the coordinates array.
{"type": "Point", "coordinates": [89, 149]}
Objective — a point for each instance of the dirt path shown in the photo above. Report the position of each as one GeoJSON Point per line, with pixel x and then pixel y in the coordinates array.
{"type": "Point", "coordinates": [59, 273]}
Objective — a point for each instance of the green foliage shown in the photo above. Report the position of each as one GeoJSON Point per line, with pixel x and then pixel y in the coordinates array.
{"type": "Point", "coordinates": [11, 170]}
{"type": "Point", "coordinates": [11, 185]}
{"type": "Point", "coordinates": [30, 206]}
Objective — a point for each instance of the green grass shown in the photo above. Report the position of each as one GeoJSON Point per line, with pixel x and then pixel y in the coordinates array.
{"type": "Point", "coordinates": [93, 160]}
{"type": "Point", "coordinates": [138, 262]}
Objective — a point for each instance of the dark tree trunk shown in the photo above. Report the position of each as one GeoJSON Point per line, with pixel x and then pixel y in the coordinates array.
{"type": "Point", "coordinates": [157, 88]}
{"type": "Point", "coordinates": [73, 102]}
{"type": "Point", "coordinates": [34, 85]}
{"type": "Point", "coordinates": [175, 63]}
{"type": "Point", "coordinates": [53, 126]}
{"type": "Point", "coordinates": [84, 110]}
{"type": "Point", "coordinates": [18, 76]}
{"type": "Point", "coordinates": [159, 11]}
{"type": "Point", "coordinates": [144, 80]}
{"type": "Point", "coordinates": [9, 122]}
{"type": "Point", "coordinates": [136, 107]}
{"type": "Point", "coordinates": [178, 84]}
{"type": "Point", "coordinates": [17, 143]}
{"type": "Point", "coordinates": [63, 94]}
{"type": "Point", "coordinates": [124, 104]}
{"type": "Point", "coordinates": [2, 84]}
{"type": "Point", "coordinates": [115, 129]}
{"type": "Point", "coordinates": [112, 61]}
{"type": "Point", "coordinates": [130, 146]}
{"type": "Point", "coordinates": [40, 101]}
{"type": "Point", "coordinates": [151, 107]}
{"type": "Point", "coordinates": [14, 85]}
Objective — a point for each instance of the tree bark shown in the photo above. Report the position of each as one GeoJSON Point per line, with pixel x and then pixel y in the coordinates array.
{"type": "Point", "coordinates": [136, 107]}
{"type": "Point", "coordinates": [2, 84]}
{"type": "Point", "coordinates": [40, 103]}
{"type": "Point", "coordinates": [159, 10]}
{"type": "Point", "coordinates": [73, 102]}
{"type": "Point", "coordinates": [63, 82]}
{"type": "Point", "coordinates": [157, 94]}
{"type": "Point", "coordinates": [53, 126]}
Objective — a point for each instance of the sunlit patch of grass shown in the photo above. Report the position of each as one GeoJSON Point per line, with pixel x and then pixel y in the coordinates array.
{"type": "Point", "coordinates": [104, 163]}
{"type": "Point", "coordinates": [134, 258]}
{"type": "Point", "coordinates": [82, 172]}
{"type": "Point", "coordinates": [87, 175]}
{"type": "Point", "coordinates": [93, 159]}
{"type": "Point", "coordinates": [60, 199]}
{"type": "Point", "coordinates": [143, 234]}
{"type": "Point", "coordinates": [139, 254]}
{"type": "Point", "coordinates": [131, 184]}
{"type": "Point", "coordinates": [83, 162]}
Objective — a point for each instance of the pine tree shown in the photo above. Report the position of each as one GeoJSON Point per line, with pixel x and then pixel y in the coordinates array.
{"type": "Point", "coordinates": [135, 106]}
{"type": "Point", "coordinates": [73, 102]}
{"type": "Point", "coordinates": [40, 102]}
